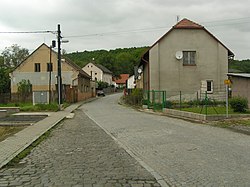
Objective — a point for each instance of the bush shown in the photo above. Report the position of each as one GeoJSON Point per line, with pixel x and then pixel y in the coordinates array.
{"type": "Point", "coordinates": [239, 104]}
{"type": "Point", "coordinates": [135, 98]}
{"type": "Point", "coordinates": [168, 104]}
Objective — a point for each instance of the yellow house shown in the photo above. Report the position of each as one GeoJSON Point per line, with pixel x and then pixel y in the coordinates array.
{"type": "Point", "coordinates": [42, 74]}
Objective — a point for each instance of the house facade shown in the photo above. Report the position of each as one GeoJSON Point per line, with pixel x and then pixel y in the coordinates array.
{"type": "Point", "coordinates": [131, 82]}
{"type": "Point", "coordinates": [188, 58]}
{"type": "Point", "coordinates": [98, 72]}
{"type": "Point", "coordinates": [42, 74]}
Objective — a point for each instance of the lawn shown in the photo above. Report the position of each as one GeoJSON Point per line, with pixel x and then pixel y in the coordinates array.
{"type": "Point", "coordinates": [29, 107]}
{"type": "Point", "coordinates": [8, 131]}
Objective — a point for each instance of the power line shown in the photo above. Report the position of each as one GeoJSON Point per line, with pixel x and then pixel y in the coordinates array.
{"type": "Point", "coordinates": [28, 32]}
{"type": "Point", "coordinates": [237, 21]}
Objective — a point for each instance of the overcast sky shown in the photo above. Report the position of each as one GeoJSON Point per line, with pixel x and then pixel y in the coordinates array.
{"type": "Point", "coordinates": [110, 24]}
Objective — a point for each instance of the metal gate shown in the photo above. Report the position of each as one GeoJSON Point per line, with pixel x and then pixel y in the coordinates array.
{"type": "Point", "coordinates": [155, 99]}
{"type": "Point", "coordinates": [40, 97]}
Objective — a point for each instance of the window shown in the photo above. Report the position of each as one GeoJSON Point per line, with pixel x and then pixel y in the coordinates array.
{"type": "Point", "coordinates": [189, 57]}
{"type": "Point", "coordinates": [37, 67]}
{"type": "Point", "coordinates": [209, 86]}
{"type": "Point", "coordinates": [49, 67]}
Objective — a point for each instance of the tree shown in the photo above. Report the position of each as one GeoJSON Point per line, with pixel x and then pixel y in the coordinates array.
{"type": "Point", "coordinates": [14, 55]}
{"type": "Point", "coordinates": [4, 80]}
{"type": "Point", "coordinates": [102, 85]}
{"type": "Point", "coordinates": [24, 89]}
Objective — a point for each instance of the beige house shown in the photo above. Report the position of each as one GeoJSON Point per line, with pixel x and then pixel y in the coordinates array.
{"type": "Point", "coordinates": [36, 68]}
{"type": "Point", "coordinates": [188, 58]}
{"type": "Point", "coordinates": [240, 85]}
{"type": "Point", "coordinates": [98, 72]}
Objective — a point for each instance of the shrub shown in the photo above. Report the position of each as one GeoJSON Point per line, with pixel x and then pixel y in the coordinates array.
{"type": "Point", "coordinates": [239, 104]}
{"type": "Point", "coordinates": [135, 98]}
{"type": "Point", "coordinates": [168, 104]}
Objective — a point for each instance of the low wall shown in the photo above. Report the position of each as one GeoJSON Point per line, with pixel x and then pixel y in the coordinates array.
{"type": "Point", "coordinates": [3, 113]}
{"type": "Point", "coordinates": [200, 117]}
{"type": "Point", "coordinates": [10, 110]}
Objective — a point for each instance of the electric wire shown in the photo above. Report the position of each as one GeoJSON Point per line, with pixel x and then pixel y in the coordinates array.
{"type": "Point", "coordinates": [27, 32]}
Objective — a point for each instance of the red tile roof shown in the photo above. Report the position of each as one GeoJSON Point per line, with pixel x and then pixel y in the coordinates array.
{"type": "Point", "coordinates": [183, 24]}
{"type": "Point", "coordinates": [187, 24]}
{"type": "Point", "coordinates": [123, 79]}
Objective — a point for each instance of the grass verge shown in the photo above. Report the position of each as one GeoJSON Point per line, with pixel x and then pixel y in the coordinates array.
{"type": "Point", "coordinates": [5, 132]}
{"type": "Point", "coordinates": [211, 110]}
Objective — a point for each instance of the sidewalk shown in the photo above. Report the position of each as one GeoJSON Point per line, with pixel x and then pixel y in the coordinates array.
{"type": "Point", "coordinates": [13, 145]}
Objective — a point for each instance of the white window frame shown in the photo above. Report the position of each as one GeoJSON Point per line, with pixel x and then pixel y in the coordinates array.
{"type": "Point", "coordinates": [212, 86]}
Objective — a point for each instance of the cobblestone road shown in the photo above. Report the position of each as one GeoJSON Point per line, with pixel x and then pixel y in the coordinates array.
{"type": "Point", "coordinates": [78, 153]}
{"type": "Point", "coordinates": [183, 153]}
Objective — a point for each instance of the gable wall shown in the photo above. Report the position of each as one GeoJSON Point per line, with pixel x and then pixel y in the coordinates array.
{"type": "Point", "coordinates": [168, 73]}
{"type": "Point", "coordinates": [40, 80]}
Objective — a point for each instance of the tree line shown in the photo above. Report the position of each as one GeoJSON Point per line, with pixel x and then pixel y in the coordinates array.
{"type": "Point", "coordinates": [119, 61]}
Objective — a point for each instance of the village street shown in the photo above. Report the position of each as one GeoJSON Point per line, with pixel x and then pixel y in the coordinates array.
{"type": "Point", "coordinates": [183, 153]}
{"type": "Point", "coordinates": [107, 144]}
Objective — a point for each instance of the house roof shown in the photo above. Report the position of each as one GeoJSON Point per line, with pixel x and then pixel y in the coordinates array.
{"type": "Point", "coordinates": [122, 80]}
{"type": "Point", "coordinates": [76, 67]}
{"type": "Point", "coordinates": [187, 24]}
{"type": "Point", "coordinates": [184, 24]}
{"type": "Point", "coordinates": [67, 60]}
{"type": "Point", "coordinates": [244, 75]}
{"type": "Point", "coordinates": [103, 68]}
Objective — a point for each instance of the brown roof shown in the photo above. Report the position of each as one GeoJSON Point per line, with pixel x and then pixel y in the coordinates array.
{"type": "Point", "coordinates": [187, 24]}
{"type": "Point", "coordinates": [67, 60]}
{"type": "Point", "coordinates": [184, 24]}
{"type": "Point", "coordinates": [122, 80]}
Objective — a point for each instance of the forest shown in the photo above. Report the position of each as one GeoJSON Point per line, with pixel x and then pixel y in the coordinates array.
{"type": "Point", "coordinates": [123, 60]}
{"type": "Point", "coordinates": [242, 66]}
{"type": "Point", "coordinates": [118, 60]}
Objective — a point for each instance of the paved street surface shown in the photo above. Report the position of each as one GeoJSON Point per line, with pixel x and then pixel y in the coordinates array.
{"type": "Point", "coordinates": [183, 153]}
{"type": "Point", "coordinates": [78, 153]}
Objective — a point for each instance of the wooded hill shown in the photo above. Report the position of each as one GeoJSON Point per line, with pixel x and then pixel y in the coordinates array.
{"type": "Point", "coordinates": [242, 66]}
{"type": "Point", "coordinates": [123, 60]}
{"type": "Point", "coordinates": [118, 60]}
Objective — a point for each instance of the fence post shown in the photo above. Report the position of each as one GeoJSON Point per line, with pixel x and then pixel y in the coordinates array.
{"type": "Point", "coordinates": [180, 100]}
{"type": "Point", "coordinates": [153, 99]}
{"type": "Point", "coordinates": [226, 100]}
{"type": "Point", "coordinates": [206, 102]}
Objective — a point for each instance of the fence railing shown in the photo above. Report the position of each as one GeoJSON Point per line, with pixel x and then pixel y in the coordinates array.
{"type": "Point", "coordinates": [204, 101]}
{"type": "Point", "coordinates": [154, 99]}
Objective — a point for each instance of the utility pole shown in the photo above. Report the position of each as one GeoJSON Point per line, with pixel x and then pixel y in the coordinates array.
{"type": "Point", "coordinates": [50, 66]}
{"type": "Point", "coordinates": [59, 69]}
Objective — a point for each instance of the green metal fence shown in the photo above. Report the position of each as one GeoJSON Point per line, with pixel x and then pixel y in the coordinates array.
{"type": "Point", "coordinates": [155, 99]}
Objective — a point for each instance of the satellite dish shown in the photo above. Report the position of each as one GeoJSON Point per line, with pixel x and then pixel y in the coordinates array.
{"type": "Point", "coordinates": [179, 55]}
{"type": "Point", "coordinates": [139, 70]}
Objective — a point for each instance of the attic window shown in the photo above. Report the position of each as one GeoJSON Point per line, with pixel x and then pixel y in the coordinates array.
{"type": "Point", "coordinates": [189, 57]}
{"type": "Point", "coordinates": [37, 67]}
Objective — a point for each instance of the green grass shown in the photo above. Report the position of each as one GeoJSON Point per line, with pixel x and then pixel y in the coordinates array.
{"type": "Point", "coordinates": [8, 131]}
{"type": "Point", "coordinates": [211, 110]}
{"type": "Point", "coordinates": [29, 107]}
{"type": "Point", "coordinates": [39, 107]}
{"type": "Point", "coordinates": [231, 122]}
{"type": "Point", "coordinates": [27, 151]}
